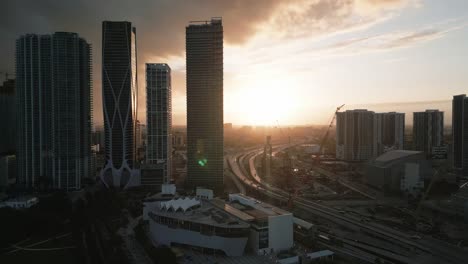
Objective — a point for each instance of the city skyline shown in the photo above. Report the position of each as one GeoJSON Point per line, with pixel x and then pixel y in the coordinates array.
{"type": "Point", "coordinates": [396, 40]}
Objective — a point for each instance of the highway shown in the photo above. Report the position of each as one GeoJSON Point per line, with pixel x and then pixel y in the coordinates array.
{"type": "Point", "coordinates": [417, 248]}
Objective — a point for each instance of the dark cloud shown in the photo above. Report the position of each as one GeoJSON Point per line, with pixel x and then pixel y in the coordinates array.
{"type": "Point", "coordinates": [160, 27]}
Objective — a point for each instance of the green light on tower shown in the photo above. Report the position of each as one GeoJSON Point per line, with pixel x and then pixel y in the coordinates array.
{"type": "Point", "coordinates": [202, 162]}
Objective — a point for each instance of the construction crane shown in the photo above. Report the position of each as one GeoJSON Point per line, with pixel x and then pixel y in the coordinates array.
{"type": "Point", "coordinates": [282, 133]}
{"type": "Point", "coordinates": [327, 133]}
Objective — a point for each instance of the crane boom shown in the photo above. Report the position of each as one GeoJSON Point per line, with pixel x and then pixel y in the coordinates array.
{"type": "Point", "coordinates": [325, 137]}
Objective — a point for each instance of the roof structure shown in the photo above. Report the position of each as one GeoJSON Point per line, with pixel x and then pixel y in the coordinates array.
{"type": "Point", "coordinates": [179, 204]}
{"type": "Point", "coordinates": [396, 154]}
{"type": "Point", "coordinates": [320, 254]}
{"type": "Point", "coordinates": [390, 157]}
{"type": "Point", "coordinates": [193, 210]}
{"type": "Point", "coordinates": [302, 223]}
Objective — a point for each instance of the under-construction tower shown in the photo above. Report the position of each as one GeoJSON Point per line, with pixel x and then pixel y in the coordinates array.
{"type": "Point", "coordinates": [266, 163]}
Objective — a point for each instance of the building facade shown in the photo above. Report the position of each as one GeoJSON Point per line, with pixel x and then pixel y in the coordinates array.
{"type": "Point", "coordinates": [362, 134]}
{"type": "Point", "coordinates": [399, 171]}
{"type": "Point", "coordinates": [354, 135]}
{"type": "Point", "coordinates": [204, 60]}
{"type": "Point", "coordinates": [159, 124]}
{"type": "Point", "coordinates": [216, 225]}
{"type": "Point", "coordinates": [119, 97]}
{"type": "Point", "coordinates": [428, 130]}
{"type": "Point", "coordinates": [54, 115]}
{"type": "Point", "coordinates": [8, 118]}
{"type": "Point", "coordinates": [191, 222]}
{"type": "Point", "coordinates": [460, 132]}
{"type": "Point", "coordinates": [389, 132]}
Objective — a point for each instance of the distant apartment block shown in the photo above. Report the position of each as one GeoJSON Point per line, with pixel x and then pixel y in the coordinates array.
{"type": "Point", "coordinates": [460, 132]}
{"type": "Point", "coordinates": [179, 139]}
{"type": "Point", "coordinates": [389, 132]}
{"type": "Point", "coordinates": [428, 131]}
{"type": "Point", "coordinates": [354, 135]}
{"type": "Point", "coordinates": [159, 125]}
{"type": "Point", "coordinates": [362, 134]}
{"type": "Point", "coordinates": [54, 100]}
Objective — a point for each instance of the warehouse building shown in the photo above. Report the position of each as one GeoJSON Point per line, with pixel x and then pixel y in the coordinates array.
{"type": "Point", "coordinates": [399, 171]}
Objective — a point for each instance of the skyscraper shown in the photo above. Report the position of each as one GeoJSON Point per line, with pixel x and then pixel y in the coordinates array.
{"type": "Point", "coordinates": [8, 118]}
{"type": "Point", "coordinates": [204, 60]}
{"type": "Point", "coordinates": [159, 124]}
{"type": "Point", "coordinates": [54, 117]}
{"type": "Point", "coordinates": [460, 132]}
{"type": "Point", "coordinates": [428, 130]}
{"type": "Point", "coordinates": [119, 101]}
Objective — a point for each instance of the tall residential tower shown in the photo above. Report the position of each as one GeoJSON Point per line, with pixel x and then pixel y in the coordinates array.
{"type": "Point", "coordinates": [460, 132]}
{"type": "Point", "coordinates": [428, 130]}
{"type": "Point", "coordinates": [54, 115]}
{"type": "Point", "coordinates": [354, 135]}
{"type": "Point", "coordinates": [119, 101]}
{"type": "Point", "coordinates": [159, 125]}
{"type": "Point", "coordinates": [362, 134]}
{"type": "Point", "coordinates": [204, 60]}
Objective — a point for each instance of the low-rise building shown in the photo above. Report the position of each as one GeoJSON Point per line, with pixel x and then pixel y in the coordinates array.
{"type": "Point", "coordinates": [399, 171]}
{"type": "Point", "coordinates": [197, 223]}
{"type": "Point", "coordinates": [216, 225]}
{"type": "Point", "coordinates": [271, 227]}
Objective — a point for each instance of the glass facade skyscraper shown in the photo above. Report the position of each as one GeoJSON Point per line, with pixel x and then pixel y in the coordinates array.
{"type": "Point", "coordinates": [54, 115]}
{"type": "Point", "coordinates": [158, 124]}
{"type": "Point", "coordinates": [119, 101]}
{"type": "Point", "coordinates": [204, 60]}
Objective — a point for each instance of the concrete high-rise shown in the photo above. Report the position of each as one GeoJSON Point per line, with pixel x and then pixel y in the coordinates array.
{"type": "Point", "coordinates": [204, 60]}
{"type": "Point", "coordinates": [159, 125]}
{"type": "Point", "coordinates": [460, 132]}
{"type": "Point", "coordinates": [354, 135]}
{"type": "Point", "coordinates": [119, 102]}
{"type": "Point", "coordinates": [362, 134]}
{"type": "Point", "coordinates": [428, 130]}
{"type": "Point", "coordinates": [54, 115]}
{"type": "Point", "coordinates": [389, 132]}
{"type": "Point", "coordinates": [8, 118]}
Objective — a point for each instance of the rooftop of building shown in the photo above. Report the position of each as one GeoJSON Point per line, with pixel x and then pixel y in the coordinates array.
{"type": "Point", "coordinates": [198, 211]}
{"type": "Point", "coordinates": [254, 208]}
{"type": "Point", "coordinates": [391, 156]}
{"type": "Point", "coordinates": [213, 21]}
{"type": "Point", "coordinates": [320, 254]}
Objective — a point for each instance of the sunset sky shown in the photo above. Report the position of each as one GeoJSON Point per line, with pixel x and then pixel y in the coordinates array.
{"type": "Point", "coordinates": [291, 61]}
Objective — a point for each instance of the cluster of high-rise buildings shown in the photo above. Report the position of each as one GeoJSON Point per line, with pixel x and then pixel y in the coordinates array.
{"type": "Point", "coordinates": [362, 134]}
{"type": "Point", "coordinates": [52, 117]}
